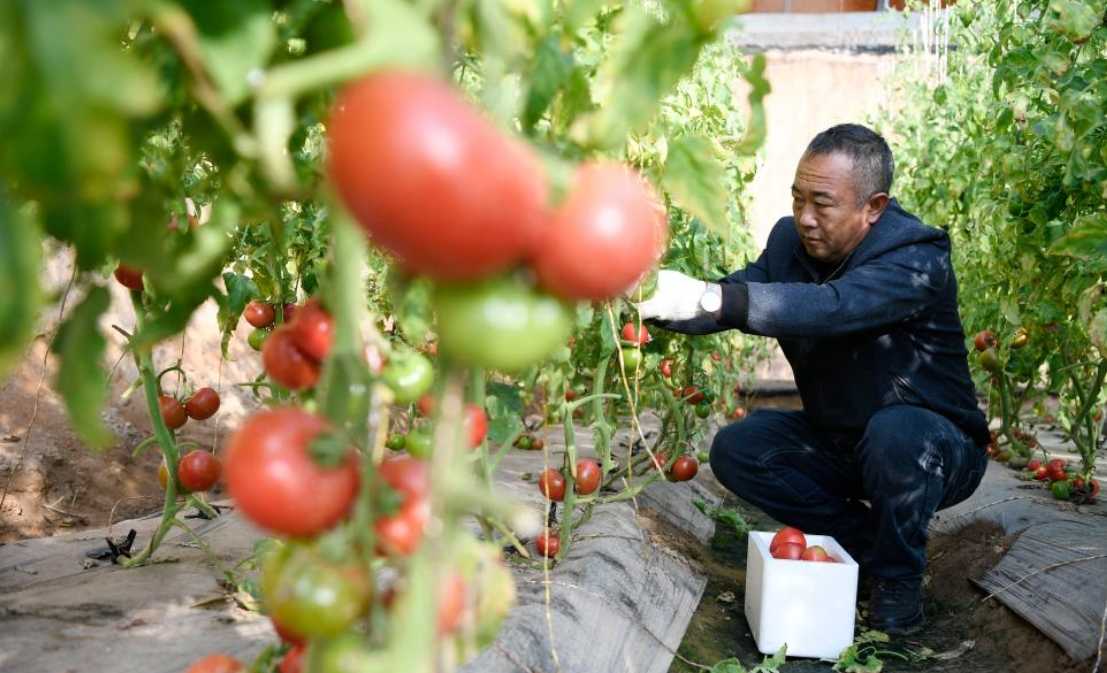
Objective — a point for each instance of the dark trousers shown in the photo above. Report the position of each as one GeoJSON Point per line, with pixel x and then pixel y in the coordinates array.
{"type": "Point", "coordinates": [909, 463]}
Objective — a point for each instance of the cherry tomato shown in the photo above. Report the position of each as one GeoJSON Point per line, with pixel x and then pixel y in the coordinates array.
{"type": "Point", "coordinates": [409, 375]}
{"type": "Point", "coordinates": [163, 478]}
{"type": "Point", "coordinates": [311, 596]}
{"type": "Point", "coordinates": [548, 543]}
{"type": "Point", "coordinates": [738, 413]}
{"type": "Point", "coordinates": [499, 324]}
{"type": "Point", "coordinates": [129, 277]}
{"type": "Point", "coordinates": [552, 484]}
{"type": "Point", "coordinates": [1021, 338]}
{"type": "Point", "coordinates": [1033, 464]}
{"type": "Point", "coordinates": [524, 442]}
{"type": "Point", "coordinates": [536, 444]}
{"type": "Point", "coordinates": [632, 359]}
{"type": "Point", "coordinates": [984, 340]}
{"type": "Point", "coordinates": [259, 314]}
{"type": "Point", "coordinates": [216, 663]}
{"type": "Point", "coordinates": [313, 330]}
{"type": "Point", "coordinates": [198, 470]}
{"type": "Point", "coordinates": [684, 468]}
{"type": "Point", "coordinates": [990, 361]}
{"type": "Point", "coordinates": [660, 460]}
{"type": "Point", "coordinates": [476, 424]}
{"type": "Point", "coordinates": [452, 597]}
{"type": "Point", "coordinates": [275, 481]}
{"type": "Point", "coordinates": [1041, 473]}
{"type": "Point", "coordinates": [694, 395]}
{"type": "Point", "coordinates": [425, 406]}
{"type": "Point", "coordinates": [431, 180]}
{"type": "Point", "coordinates": [815, 553]}
{"type": "Point", "coordinates": [293, 660]}
{"type": "Point", "coordinates": [290, 311]}
{"type": "Point", "coordinates": [789, 535]}
{"type": "Point", "coordinates": [395, 442]}
{"type": "Point", "coordinates": [666, 368]}
{"type": "Point", "coordinates": [611, 214]}
{"type": "Point", "coordinates": [703, 410]}
{"type": "Point", "coordinates": [285, 363]}
{"type": "Point", "coordinates": [588, 476]}
{"type": "Point", "coordinates": [1061, 489]}
{"type": "Point", "coordinates": [203, 404]}
{"type": "Point", "coordinates": [788, 550]}
{"type": "Point", "coordinates": [401, 533]}
{"type": "Point", "coordinates": [419, 444]}
{"type": "Point", "coordinates": [570, 395]}
{"type": "Point", "coordinates": [257, 337]}
{"type": "Point", "coordinates": [172, 412]}
{"type": "Point", "coordinates": [638, 336]}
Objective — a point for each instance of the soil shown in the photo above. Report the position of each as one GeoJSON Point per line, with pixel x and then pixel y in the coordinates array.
{"type": "Point", "coordinates": [956, 613]}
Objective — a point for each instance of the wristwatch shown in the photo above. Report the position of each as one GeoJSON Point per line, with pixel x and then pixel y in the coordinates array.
{"type": "Point", "coordinates": [711, 301]}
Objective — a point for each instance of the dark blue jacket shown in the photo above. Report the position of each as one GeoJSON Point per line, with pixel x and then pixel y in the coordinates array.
{"type": "Point", "coordinates": [881, 330]}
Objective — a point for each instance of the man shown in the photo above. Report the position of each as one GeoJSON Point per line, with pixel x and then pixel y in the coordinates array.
{"type": "Point", "coordinates": [862, 297]}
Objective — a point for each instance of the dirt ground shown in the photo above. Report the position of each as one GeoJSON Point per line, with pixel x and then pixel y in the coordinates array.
{"type": "Point", "coordinates": [956, 613]}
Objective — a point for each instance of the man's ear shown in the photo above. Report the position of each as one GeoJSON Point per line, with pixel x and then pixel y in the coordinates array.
{"type": "Point", "coordinates": [875, 206]}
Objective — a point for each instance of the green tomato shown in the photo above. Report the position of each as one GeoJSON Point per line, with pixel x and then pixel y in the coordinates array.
{"type": "Point", "coordinates": [409, 375]}
{"type": "Point", "coordinates": [348, 653]}
{"type": "Point", "coordinates": [703, 409]}
{"type": "Point", "coordinates": [419, 444]}
{"type": "Point", "coordinates": [990, 361]}
{"type": "Point", "coordinates": [1062, 490]}
{"type": "Point", "coordinates": [500, 324]}
{"type": "Point", "coordinates": [396, 442]}
{"type": "Point", "coordinates": [523, 442]}
{"type": "Point", "coordinates": [257, 338]}
{"type": "Point", "coordinates": [313, 597]}
{"type": "Point", "coordinates": [632, 359]}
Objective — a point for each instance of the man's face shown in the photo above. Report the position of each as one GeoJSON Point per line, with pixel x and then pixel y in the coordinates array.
{"type": "Point", "coordinates": [824, 204]}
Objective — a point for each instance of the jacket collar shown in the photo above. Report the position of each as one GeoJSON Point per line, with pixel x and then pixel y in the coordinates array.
{"type": "Point", "coordinates": [857, 253]}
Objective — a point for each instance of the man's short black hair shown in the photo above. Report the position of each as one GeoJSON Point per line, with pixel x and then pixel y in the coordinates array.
{"type": "Point", "coordinates": [872, 158]}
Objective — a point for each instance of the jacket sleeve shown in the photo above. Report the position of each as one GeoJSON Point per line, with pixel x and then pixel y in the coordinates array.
{"type": "Point", "coordinates": [756, 271]}
{"type": "Point", "coordinates": [885, 291]}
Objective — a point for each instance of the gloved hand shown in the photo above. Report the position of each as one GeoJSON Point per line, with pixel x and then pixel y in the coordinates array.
{"type": "Point", "coordinates": [677, 297]}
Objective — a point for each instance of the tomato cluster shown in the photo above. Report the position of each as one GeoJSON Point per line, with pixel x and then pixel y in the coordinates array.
{"type": "Point", "coordinates": [293, 353]}
{"type": "Point", "coordinates": [201, 405]}
{"type": "Point", "coordinates": [791, 544]}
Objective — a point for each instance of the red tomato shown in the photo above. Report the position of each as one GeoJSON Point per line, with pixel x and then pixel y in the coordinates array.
{"type": "Point", "coordinates": [293, 660]}
{"type": "Point", "coordinates": [684, 468]}
{"type": "Point", "coordinates": [425, 405]}
{"type": "Point", "coordinates": [984, 340]}
{"type": "Point", "coordinates": [611, 215]}
{"type": "Point", "coordinates": [290, 311]}
{"type": "Point", "coordinates": [203, 404]}
{"type": "Point", "coordinates": [285, 363]}
{"type": "Point", "coordinates": [431, 180]}
{"type": "Point", "coordinates": [198, 470]}
{"type": "Point", "coordinates": [476, 424]}
{"type": "Point", "coordinates": [163, 478]}
{"type": "Point", "coordinates": [716, 357]}
{"type": "Point", "coordinates": [693, 395]}
{"type": "Point", "coordinates": [588, 476]}
{"type": "Point", "coordinates": [1057, 464]}
{"type": "Point", "coordinates": [216, 663]}
{"type": "Point", "coordinates": [738, 413]}
{"type": "Point", "coordinates": [285, 634]}
{"type": "Point", "coordinates": [635, 335]}
{"type": "Point", "coordinates": [1042, 473]}
{"type": "Point", "coordinates": [788, 535]}
{"type": "Point", "coordinates": [570, 395]}
{"type": "Point", "coordinates": [660, 460]}
{"type": "Point", "coordinates": [129, 277]}
{"type": "Point", "coordinates": [313, 330]}
{"type": "Point", "coordinates": [452, 597]}
{"type": "Point", "coordinates": [402, 532]}
{"type": "Point", "coordinates": [259, 314]}
{"type": "Point", "coordinates": [275, 481]}
{"type": "Point", "coordinates": [548, 543]}
{"type": "Point", "coordinates": [1033, 464]}
{"type": "Point", "coordinates": [666, 368]}
{"type": "Point", "coordinates": [788, 550]}
{"type": "Point", "coordinates": [552, 484]}
{"type": "Point", "coordinates": [815, 553]}
{"type": "Point", "coordinates": [172, 412]}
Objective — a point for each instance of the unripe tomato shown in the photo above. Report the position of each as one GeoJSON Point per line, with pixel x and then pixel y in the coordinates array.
{"type": "Point", "coordinates": [990, 361]}
{"type": "Point", "coordinates": [259, 314]}
{"type": "Point", "coordinates": [129, 277]}
{"type": "Point", "coordinates": [984, 340]}
{"type": "Point", "coordinates": [216, 663]}
{"type": "Point", "coordinates": [548, 543]}
{"type": "Point", "coordinates": [612, 213]}
{"type": "Point", "coordinates": [198, 470]}
{"type": "Point", "coordinates": [1021, 338]}
{"type": "Point", "coordinates": [552, 484]}
{"type": "Point", "coordinates": [815, 553]}
{"type": "Point", "coordinates": [172, 412]}
{"type": "Point", "coordinates": [395, 442]}
{"type": "Point", "coordinates": [703, 410]}
{"type": "Point", "coordinates": [419, 444]}
{"type": "Point", "coordinates": [409, 375]}
{"type": "Point", "coordinates": [203, 404]}
{"type": "Point", "coordinates": [311, 596]}
{"type": "Point", "coordinates": [524, 442]}
{"type": "Point", "coordinates": [285, 363]}
{"type": "Point", "coordinates": [313, 330]}
{"type": "Point", "coordinates": [1061, 490]}
{"type": "Point", "coordinates": [684, 468]}
{"type": "Point", "coordinates": [431, 180]}
{"type": "Point", "coordinates": [638, 336]}
{"type": "Point", "coordinates": [632, 358]}
{"type": "Point", "coordinates": [163, 478]}
{"type": "Point", "coordinates": [257, 337]}
{"type": "Point", "coordinates": [276, 482]}
{"type": "Point", "coordinates": [588, 476]}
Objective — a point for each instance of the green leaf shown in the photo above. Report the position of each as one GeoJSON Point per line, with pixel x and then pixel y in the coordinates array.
{"type": "Point", "coordinates": [236, 38]}
{"type": "Point", "coordinates": [240, 290]}
{"type": "Point", "coordinates": [20, 295]}
{"type": "Point", "coordinates": [728, 666]}
{"type": "Point", "coordinates": [756, 127]}
{"type": "Point", "coordinates": [550, 71]}
{"type": "Point", "coordinates": [771, 664]}
{"type": "Point", "coordinates": [1087, 239]}
{"type": "Point", "coordinates": [851, 661]}
{"type": "Point", "coordinates": [81, 379]}
{"type": "Point", "coordinates": [505, 411]}
{"type": "Point", "coordinates": [1075, 19]}
{"type": "Point", "coordinates": [695, 177]}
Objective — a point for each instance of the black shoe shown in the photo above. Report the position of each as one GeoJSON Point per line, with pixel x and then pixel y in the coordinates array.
{"type": "Point", "coordinates": [896, 606]}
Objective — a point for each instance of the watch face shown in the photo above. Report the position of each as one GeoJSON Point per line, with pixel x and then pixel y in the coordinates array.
{"type": "Point", "coordinates": [711, 301]}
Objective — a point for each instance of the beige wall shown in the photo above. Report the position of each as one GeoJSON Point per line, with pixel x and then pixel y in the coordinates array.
{"type": "Point", "coordinates": [811, 91]}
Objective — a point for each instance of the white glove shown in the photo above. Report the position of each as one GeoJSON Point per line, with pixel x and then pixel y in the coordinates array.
{"type": "Point", "coordinates": [677, 297]}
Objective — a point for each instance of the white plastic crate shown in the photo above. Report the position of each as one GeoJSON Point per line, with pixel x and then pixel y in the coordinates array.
{"type": "Point", "coordinates": [808, 605]}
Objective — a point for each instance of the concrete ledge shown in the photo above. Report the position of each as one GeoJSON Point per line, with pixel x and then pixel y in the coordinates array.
{"type": "Point", "coordinates": [856, 32]}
